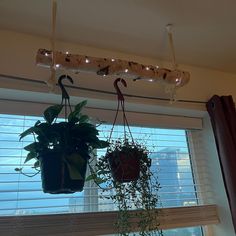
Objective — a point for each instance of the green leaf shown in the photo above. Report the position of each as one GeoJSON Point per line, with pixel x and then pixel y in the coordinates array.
{"type": "Point", "coordinates": [99, 180]}
{"type": "Point", "coordinates": [96, 179]}
{"type": "Point", "coordinates": [75, 164]}
{"type": "Point", "coordinates": [52, 112]}
{"type": "Point", "coordinates": [79, 106]}
{"type": "Point", "coordinates": [73, 118]}
{"type": "Point", "coordinates": [31, 155]}
{"type": "Point", "coordinates": [28, 131]}
{"type": "Point", "coordinates": [102, 144]}
{"type": "Point", "coordinates": [37, 122]}
{"type": "Point", "coordinates": [76, 113]}
{"type": "Point", "coordinates": [91, 177]}
{"type": "Point", "coordinates": [36, 164]}
{"type": "Point", "coordinates": [87, 129]}
{"type": "Point", "coordinates": [83, 119]}
{"type": "Point", "coordinates": [31, 147]}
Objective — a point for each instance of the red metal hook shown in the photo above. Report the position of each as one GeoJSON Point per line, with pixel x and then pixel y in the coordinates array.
{"type": "Point", "coordinates": [119, 93]}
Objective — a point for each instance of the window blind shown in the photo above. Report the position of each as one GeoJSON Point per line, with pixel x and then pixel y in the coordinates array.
{"type": "Point", "coordinates": [22, 195]}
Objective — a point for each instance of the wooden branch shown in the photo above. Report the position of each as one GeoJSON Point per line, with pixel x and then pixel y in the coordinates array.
{"type": "Point", "coordinates": [112, 67]}
{"type": "Point", "coordinates": [101, 223]}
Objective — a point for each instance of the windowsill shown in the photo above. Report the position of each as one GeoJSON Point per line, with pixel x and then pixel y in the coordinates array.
{"type": "Point", "coordinates": [101, 223]}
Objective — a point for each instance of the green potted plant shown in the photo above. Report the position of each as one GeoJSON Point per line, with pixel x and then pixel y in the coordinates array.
{"type": "Point", "coordinates": [136, 200]}
{"type": "Point", "coordinates": [61, 150]}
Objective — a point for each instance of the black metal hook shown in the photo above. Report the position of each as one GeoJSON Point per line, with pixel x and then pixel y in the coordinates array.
{"type": "Point", "coordinates": [64, 93]}
{"type": "Point", "coordinates": [119, 93]}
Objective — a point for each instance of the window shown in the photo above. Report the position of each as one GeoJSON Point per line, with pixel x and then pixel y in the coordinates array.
{"type": "Point", "coordinates": [21, 195]}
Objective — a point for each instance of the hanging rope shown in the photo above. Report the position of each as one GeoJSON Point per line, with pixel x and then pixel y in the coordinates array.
{"type": "Point", "coordinates": [171, 88]}
{"type": "Point", "coordinates": [51, 82]}
{"type": "Point", "coordinates": [171, 43]}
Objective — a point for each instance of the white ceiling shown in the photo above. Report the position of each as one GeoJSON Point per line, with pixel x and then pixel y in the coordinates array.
{"type": "Point", "coordinates": [204, 31]}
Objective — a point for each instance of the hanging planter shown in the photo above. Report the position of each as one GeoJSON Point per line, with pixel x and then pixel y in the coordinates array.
{"type": "Point", "coordinates": [124, 160]}
{"type": "Point", "coordinates": [61, 150]}
{"type": "Point", "coordinates": [125, 178]}
{"type": "Point", "coordinates": [124, 154]}
{"type": "Point", "coordinates": [56, 174]}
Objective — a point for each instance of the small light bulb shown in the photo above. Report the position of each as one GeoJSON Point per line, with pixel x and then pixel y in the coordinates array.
{"type": "Point", "coordinates": [46, 54]}
{"type": "Point", "coordinates": [177, 80]}
{"type": "Point", "coordinates": [104, 75]}
{"type": "Point", "coordinates": [126, 70]}
{"type": "Point", "coordinates": [67, 53]}
{"type": "Point", "coordinates": [157, 67]}
{"type": "Point", "coordinates": [87, 60]}
{"type": "Point", "coordinates": [147, 68]}
{"type": "Point", "coordinates": [112, 59]}
{"type": "Point", "coordinates": [150, 80]}
{"type": "Point", "coordinates": [57, 65]}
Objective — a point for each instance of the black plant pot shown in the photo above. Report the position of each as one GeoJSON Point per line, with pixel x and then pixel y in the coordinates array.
{"type": "Point", "coordinates": [55, 174]}
{"type": "Point", "coordinates": [124, 167]}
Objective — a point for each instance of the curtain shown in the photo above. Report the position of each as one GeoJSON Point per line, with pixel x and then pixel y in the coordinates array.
{"type": "Point", "coordinates": [223, 118]}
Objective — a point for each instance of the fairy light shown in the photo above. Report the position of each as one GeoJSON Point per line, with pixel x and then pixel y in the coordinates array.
{"type": "Point", "coordinates": [126, 70]}
{"type": "Point", "coordinates": [46, 54]}
{"type": "Point", "coordinates": [150, 80]}
{"type": "Point", "coordinates": [157, 67]}
{"type": "Point", "coordinates": [57, 65]}
{"type": "Point", "coordinates": [87, 60]}
{"type": "Point", "coordinates": [147, 68]}
{"type": "Point", "coordinates": [67, 53]}
{"type": "Point", "coordinates": [112, 59]}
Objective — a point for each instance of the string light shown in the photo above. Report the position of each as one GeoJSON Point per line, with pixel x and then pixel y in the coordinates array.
{"type": "Point", "coordinates": [87, 60]}
{"type": "Point", "coordinates": [67, 53]}
{"type": "Point", "coordinates": [157, 67]}
{"type": "Point", "coordinates": [147, 68]}
{"type": "Point", "coordinates": [57, 65]}
{"type": "Point", "coordinates": [150, 80]}
{"type": "Point", "coordinates": [126, 70]}
{"type": "Point", "coordinates": [46, 54]}
{"type": "Point", "coordinates": [112, 59]}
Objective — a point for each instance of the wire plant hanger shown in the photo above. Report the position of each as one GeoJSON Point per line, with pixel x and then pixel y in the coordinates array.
{"type": "Point", "coordinates": [115, 148]}
{"type": "Point", "coordinates": [121, 104]}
